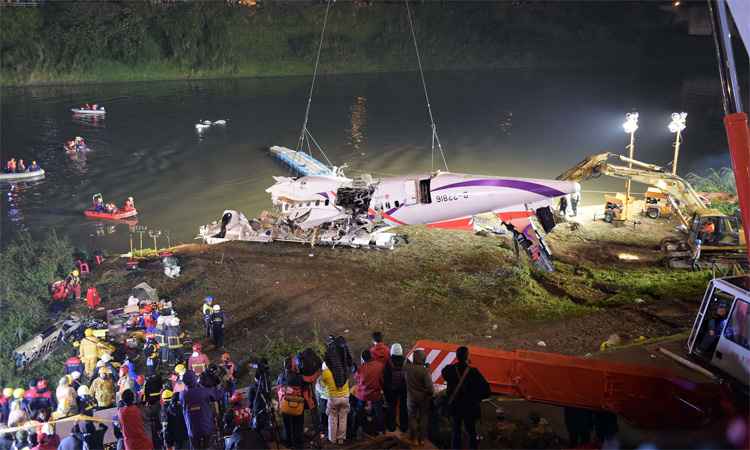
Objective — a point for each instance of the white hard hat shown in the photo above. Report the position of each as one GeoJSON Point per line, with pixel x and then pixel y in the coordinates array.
{"type": "Point", "coordinates": [106, 357]}
{"type": "Point", "coordinates": [396, 350]}
{"type": "Point", "coordinates": [83, 390]}
{"type": "Point", "coordinates": [47, 429]}
{"type": "Point", "coordinates": [75, 375]}
{"type": "Point", "coordinates": [175, 321]}
{"type": "Point", "coordinates": [217, 308]}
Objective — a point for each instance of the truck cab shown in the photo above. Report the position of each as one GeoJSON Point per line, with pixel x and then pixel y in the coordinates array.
{"type": "Point", "coordinates": [721, 332]}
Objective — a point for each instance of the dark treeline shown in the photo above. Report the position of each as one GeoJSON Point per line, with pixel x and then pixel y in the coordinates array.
{"type": "Point", "coordinates": [125, 40]}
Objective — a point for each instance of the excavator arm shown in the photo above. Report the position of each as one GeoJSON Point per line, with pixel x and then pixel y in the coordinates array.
{"type": "Point", "coordinates": [648, 397]}
{"type": "Point", "coordinates": [686, 199]}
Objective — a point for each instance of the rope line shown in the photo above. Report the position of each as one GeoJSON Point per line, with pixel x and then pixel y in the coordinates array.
{"type": "Point", "coordinates": [435, 137]}
{"type": "Point", "coordinates": [304, 132]}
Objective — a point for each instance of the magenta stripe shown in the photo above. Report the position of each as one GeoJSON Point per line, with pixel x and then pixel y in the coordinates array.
{"type": "Point", "coordinates": [513, 184]}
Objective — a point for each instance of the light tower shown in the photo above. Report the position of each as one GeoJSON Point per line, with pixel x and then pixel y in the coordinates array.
{"type": "Point", "coordinates": [630, 126]}
{"type": "Point", "coordinates": [676, 126]}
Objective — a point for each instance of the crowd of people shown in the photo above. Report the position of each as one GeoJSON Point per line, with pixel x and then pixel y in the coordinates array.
{"type": "Point", "coordinates": [19, 166]}
{"type": "Point", "coordinates": [196, 404]}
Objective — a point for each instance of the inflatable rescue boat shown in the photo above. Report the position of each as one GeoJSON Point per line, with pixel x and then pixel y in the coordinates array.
{"type": "Point", "coordinates": [22, 176]}
{"type": "Point", "coordinates": [91, 112]}
{"type": "Point", "coordinates": [117, 215]}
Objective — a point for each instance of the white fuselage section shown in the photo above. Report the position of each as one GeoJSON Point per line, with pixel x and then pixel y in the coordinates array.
{"type": "Point", "coordinates": [443, 199]}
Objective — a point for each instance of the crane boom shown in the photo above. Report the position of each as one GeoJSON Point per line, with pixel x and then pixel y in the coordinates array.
{"type": "Point", "coordinates": [687, 200]}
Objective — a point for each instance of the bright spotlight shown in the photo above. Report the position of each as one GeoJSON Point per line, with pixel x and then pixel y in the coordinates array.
{"type": "Point", "coordinates": [631, 123]}
{"type": "Point", "coordinates": [678, 122]}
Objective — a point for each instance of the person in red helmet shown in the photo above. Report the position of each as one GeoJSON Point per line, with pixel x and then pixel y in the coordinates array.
{"type": "Point", "coordinates": [198, 361]}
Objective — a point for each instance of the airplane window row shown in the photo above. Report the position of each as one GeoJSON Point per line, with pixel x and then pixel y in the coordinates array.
{"type": "Point", "coordinates": [288, 206]}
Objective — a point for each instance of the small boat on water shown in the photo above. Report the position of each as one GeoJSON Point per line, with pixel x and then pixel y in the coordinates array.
{"type": "Point", "coordinates": [22, 176]}
{"type": "Point", "coordinates": [89, 112]}
{"type": "Point", "coordinates": [117, 215]}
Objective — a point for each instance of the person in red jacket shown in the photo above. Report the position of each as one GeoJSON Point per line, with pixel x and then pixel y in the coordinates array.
{"type": "Point", "coordinates": [47, 439]}
{"type": "Point", "coordinates": [369, 391]}
{"type": "Point", "coordinates": [73, 364]}
{"type": "Point", "coordinates": [92, 297]}
{"type": "Point", "coordinates": [131, 423]}
{"type": "Point", "coordinates": [379, 351]}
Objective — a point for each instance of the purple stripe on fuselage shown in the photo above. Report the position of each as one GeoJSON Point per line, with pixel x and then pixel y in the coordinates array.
{"type": "Point", "coordinates": [513, 184]}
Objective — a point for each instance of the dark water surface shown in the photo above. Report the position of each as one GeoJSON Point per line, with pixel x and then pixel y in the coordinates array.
{"type": "Point", "coordinates": [500, 123]}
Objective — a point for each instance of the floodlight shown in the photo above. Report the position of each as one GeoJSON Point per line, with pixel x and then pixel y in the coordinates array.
{"type": "Point", "coordinates": [631, 123]}
{"type": "Point", "coordinates": [678, 122]}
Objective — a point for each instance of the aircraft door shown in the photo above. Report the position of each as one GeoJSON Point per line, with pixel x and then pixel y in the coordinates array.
{"type": "Point", "coordinates": [410, 192]}
{"type": "Point", "coordinates": [732, 353]}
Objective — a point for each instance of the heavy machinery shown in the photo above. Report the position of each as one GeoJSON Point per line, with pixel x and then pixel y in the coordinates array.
{"type": "Point", "coordinates": [721, 331]}
{"type": "Point", "coordinates": [656, 204]}
{"type": "Point", "coordinates": [711, 235]}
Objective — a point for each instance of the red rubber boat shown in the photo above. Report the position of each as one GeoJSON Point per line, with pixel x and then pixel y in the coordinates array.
{"type": "Point", "coordinates": [119, 215]}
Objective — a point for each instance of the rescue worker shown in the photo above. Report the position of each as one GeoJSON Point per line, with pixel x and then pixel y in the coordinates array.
{"type": "Point", "coordinates": [159, 336]}
{"type": "Point", "coordinates": [43, 402]}
{"type": "Point", "coordinates": [103, 389]}
{"type": "Point", "coordinates": [198, 411]}
{"type": "Point", "coordinates": [173, 336]}
{"type": "Point", "coordinates": [33, 167]}
{"type": "Point", "coordinates": [11, 166]}
{"type": "Point", "coordinates": [66, 398]}
{"type": "Point", "coordinates": [20, 167]}
{"type": "Point", "coordinates": [73, 283]}
{"type": "Point", "coordinates": [17, 414]}
{"type": "Point", "coordinates": [151, 353]}
{"type": "Point", "coordinates": [92, 297]}
{"type": "Point", "coordinates": [73, 364]}
{"type": "Point", "coordinates": [198, 361]}
{"type": "Point", "coordinates": [575, 198]}
{"type": "Point", "coordinates": [177, 384]}
{"type": "Point", "coordinates": [173, 428]}
{"type": "Point", "coordinates": [86, 403]}
{"type": "Point", "coordinates": [207, 310]}
{"type": "Point", "coordinates": [129, 204]}
{"type": "Point", "coordinates": [217, 326]}
{"type": "Point", "coordinates": [98, 203]}
{"type": "Point", "coordinates": [89, 351]}
{"type": "Point", "coordinates": [75, 380]}
{"type": "Point", "coordinates": [124, 383]}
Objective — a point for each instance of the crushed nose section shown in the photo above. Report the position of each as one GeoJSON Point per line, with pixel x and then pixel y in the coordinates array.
{"type": "Point", "coordinates": [527, 237]}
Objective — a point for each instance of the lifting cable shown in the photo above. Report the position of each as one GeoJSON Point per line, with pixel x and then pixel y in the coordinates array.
{"type": "Point", "coordinates": [435, 138]}
{"type": "Point", "coordinates": [305, 132]}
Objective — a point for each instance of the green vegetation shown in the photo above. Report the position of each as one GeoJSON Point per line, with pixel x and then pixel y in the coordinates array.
{"type": "Point", "coordinates": [719, 181]}
{"type": "Point", "coordinates": [440, 267]}
{"type": "Point", "coordinates": [611, 287]}
{"type": "Point", "coordinates": [76, 41]}
{"type": "Point", "coordinates": [29, 265]}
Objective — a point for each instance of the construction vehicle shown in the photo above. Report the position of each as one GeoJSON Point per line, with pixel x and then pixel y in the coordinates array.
{"type": "Point", "coordinates": [614, 208]}
{"type": "Point", "coordinates": [711, 235]}
{"type": "Point", "coordinates": [721, 332]}
{"type": "Point", "coordinates": [656, 204]}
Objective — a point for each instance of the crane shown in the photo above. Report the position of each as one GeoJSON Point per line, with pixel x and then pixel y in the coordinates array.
{"type": "Point", "coordinates": [725, 244]}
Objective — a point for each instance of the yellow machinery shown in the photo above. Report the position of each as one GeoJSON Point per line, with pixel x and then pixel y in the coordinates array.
{"type": "Point", "coordinates": [656, 204]}
{"type": "Point", "coordinates": [614, 208]}
{"type": "Point", "coordinates": [724, 243]}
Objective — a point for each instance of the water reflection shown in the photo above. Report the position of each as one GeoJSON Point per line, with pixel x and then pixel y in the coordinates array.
{"type": "Point", "coordinates": [14, 198]}
{"type": "Point", "coordinates": [89, 121]}
{"type": "Point", "coordinates": [357, 133]}
{"type": "Point", "coordinates": [505, 122]}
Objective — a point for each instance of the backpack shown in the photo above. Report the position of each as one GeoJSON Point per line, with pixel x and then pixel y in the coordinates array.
{"type": "Point", "coordinates": [291, 401]}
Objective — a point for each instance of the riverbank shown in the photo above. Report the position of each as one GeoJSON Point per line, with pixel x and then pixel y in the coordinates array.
{"type": "Point", "coordinates": [81, 42]}
{"type": "Point", "coordinates": [448, 286]}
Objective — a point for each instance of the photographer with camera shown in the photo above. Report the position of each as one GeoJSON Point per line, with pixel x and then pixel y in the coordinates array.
{"type": "Point", "coordinates": [198, 409]}
{"type": "Point", "coordinates": [259, 397]}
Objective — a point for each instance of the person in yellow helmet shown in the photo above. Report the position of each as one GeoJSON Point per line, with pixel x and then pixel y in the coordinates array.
{"type": "Point", "coordinates": [103, 389]}
{"type": "Point", "coordinates": [88, 351]}
{"type": "Point", "coordinates": [73, 283]}
{"type": "Point", "coordinates": [166, 395]}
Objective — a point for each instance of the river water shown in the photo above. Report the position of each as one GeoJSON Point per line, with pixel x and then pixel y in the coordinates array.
{"type": "Point", "coordinates": [513, 123]}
